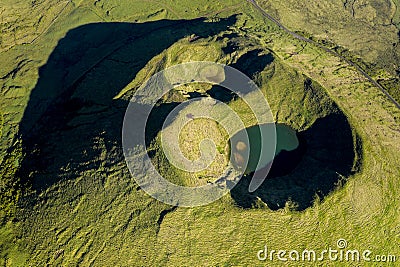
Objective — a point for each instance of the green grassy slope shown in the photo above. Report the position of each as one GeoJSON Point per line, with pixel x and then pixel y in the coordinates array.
{"type": "Point", "coordinates": [93, 214]}
{"type": "Point", "coordinates": [368, 29]}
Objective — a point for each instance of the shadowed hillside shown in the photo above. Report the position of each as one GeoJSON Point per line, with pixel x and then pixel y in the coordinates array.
{"type": "Point", "coordinates": [72, 123]}
{"type": "Point", "coordinates": [325, 156]}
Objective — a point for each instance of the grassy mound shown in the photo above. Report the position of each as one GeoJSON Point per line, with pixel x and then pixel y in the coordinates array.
{"type": "Point", "coordinates": [296, 101]}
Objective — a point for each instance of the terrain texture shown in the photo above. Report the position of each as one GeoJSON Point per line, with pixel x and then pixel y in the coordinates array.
{"type": "Point", "coordinates": [330, 70]}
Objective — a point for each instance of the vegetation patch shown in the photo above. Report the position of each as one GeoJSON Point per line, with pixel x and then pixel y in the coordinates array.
{"type": "Point", "coordinates": [69, 70]}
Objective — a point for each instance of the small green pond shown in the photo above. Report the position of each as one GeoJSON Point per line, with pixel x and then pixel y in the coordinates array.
{"type": "Point", "coordinates": [286, 140]}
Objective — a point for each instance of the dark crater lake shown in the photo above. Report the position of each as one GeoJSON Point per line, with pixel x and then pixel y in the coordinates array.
{"type": "Point", "coordinates": [307, 165]}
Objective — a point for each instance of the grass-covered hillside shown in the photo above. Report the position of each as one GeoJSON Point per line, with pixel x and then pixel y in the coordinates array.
{"type": "Point", "coordinates": [69, 70]}
{"type": "Point", "coordinates": [367, 32]}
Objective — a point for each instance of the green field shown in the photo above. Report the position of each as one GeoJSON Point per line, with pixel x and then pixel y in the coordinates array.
{"type": "Point", "coordinates": [69, 69]}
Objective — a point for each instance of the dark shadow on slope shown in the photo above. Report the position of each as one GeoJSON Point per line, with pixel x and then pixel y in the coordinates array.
{"type": "Point", "coordinates": [72, 119]}
{"type": "Point", "coordinates": [157, 118]}
{"type": "Point", "coordinates": [328, 154]}
{"type": "Point", "coordinates": [253, 62]}
{"type": "Point", "coordinates": [250, 63]}
{"type": "Point", "coordinates": [222, 94]}
{"type": "Point", "coordinates": [195, 95]}
{"type": "Point", "coordinates": [287, 161]}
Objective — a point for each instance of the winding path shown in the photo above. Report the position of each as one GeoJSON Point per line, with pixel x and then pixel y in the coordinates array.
{"type": "Point", "coordinates": [302, 38]}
